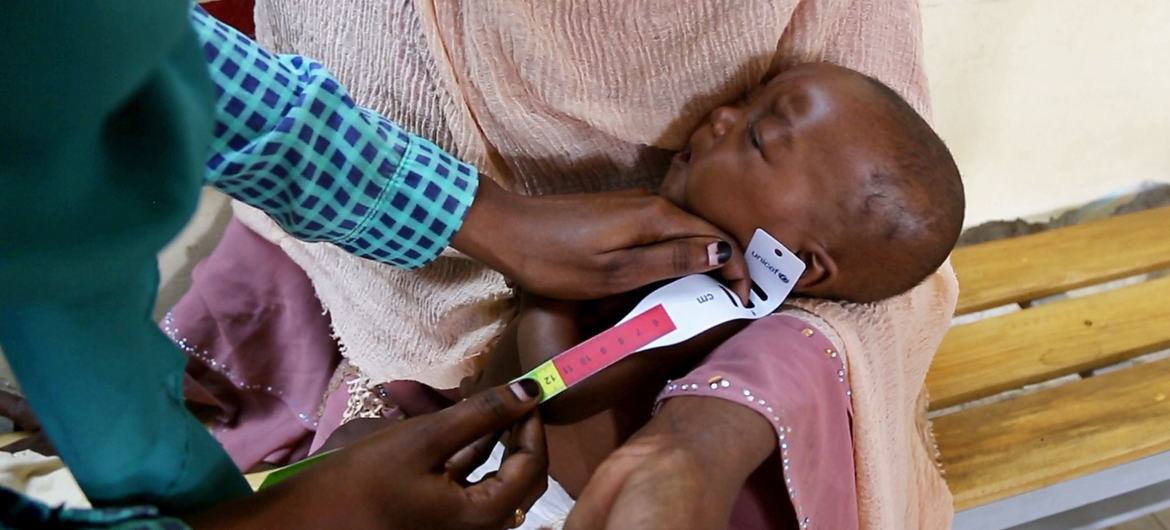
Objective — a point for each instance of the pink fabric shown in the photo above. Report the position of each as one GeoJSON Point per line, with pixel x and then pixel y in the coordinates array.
{"type": "Point", "coordinates": [792, 375]}
{"type": "Point", "coordinates": [408, 398]}
{"type": "Point", "coordinates": [332, 411]}
{"type": "Point", "coordinates": [261, 354]}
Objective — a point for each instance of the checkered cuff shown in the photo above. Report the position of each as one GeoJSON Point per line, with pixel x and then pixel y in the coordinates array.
{"type": "Point", "coordinates": [417, 214]}
{"type": "Point", "coordinates": [290, 141]}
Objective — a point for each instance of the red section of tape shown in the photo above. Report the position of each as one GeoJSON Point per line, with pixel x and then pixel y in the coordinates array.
{"type": "Point", "coordinates": [613, 345]}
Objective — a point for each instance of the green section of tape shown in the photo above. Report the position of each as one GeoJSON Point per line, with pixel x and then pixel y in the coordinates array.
{"type": "Point", "coordinates": [548, 377]}
{"type": "Point", "coordinates": [279, 475]}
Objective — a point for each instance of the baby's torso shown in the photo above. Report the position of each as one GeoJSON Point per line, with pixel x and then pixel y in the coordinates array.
{"type": "Point", "coordinates": [576, 450]}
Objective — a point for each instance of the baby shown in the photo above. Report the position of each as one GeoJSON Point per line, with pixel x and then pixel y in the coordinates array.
{"type": "Point", "coordinates": [837, 167]}
{"type": "Point", "coordinates": [832, 163]}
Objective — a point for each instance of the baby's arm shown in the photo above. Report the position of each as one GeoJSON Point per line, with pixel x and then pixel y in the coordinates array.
{"type": "Point", "coordinates": [544, 328]}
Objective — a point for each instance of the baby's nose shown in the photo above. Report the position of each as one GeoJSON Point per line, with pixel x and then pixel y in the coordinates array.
{"type": "Point", "coordinates": [722, 119]}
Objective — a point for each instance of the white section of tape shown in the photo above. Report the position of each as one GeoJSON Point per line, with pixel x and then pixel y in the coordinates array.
{"type": "Point", "coordinates": [698, 302]}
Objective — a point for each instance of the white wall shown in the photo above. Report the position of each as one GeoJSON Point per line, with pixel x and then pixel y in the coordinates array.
{"type": "Point", "coordinates": [1050, 103]}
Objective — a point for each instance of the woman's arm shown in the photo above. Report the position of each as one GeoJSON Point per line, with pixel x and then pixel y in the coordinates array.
{"type": "Point", "coordinates": [778, 386]}
{"type": "Point", "coordinates": [682, 471]}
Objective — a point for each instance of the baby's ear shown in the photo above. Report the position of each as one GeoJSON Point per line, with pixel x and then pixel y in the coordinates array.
{"type": "Point", "coordinates": [820, 272]}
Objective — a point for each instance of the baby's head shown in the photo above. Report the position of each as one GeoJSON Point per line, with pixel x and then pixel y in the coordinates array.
{"type": "Point", "coordinates": [836, 166]}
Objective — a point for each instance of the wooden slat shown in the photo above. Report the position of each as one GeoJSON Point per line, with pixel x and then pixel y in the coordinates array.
{"type": "Point", "coordinates": [1007, 352]}
{"type": "Point", "coordinates": [1022, 444]}
{"type": "Point", "coordinates": [1148, 522]}
{"type": "Point", "coordinates": [1029, 267]}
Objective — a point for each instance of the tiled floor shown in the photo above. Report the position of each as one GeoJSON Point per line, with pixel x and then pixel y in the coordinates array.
{"type": "Point", "coordinates": [1157, 521]}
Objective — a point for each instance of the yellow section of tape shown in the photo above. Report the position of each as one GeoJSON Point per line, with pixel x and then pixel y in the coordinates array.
{"type": "Point", "coordinates": [549, 379]}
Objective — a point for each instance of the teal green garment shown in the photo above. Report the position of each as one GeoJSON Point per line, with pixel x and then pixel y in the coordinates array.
{"type": "Point", "coordinates": [106, 114]}
{"type": "Point", "coordinates": [20, 511]}
{"type": "Point", "coordinates": [108, 117]}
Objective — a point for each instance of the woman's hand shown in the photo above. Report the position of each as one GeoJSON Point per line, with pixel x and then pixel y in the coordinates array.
{"type": "Point", "coordinates": [682, 471]}
{"type": "Point", "coordinates": [412, 474]}
{"type": "Point", "coordinates": [593, 245]}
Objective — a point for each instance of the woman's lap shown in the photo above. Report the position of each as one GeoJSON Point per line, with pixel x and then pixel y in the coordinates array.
{"type": "Point", "coordinates": [260, 351]}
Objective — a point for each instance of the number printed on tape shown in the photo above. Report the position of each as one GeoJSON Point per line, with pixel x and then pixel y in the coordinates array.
{"type": "Point", "coordinates": [601, 351]}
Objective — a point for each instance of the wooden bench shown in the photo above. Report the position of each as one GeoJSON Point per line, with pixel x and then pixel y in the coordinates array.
{"type": "Point", "coordinates": [1086, 423]}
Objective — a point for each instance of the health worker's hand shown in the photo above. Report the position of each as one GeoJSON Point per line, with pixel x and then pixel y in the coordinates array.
{"type": "Point", "coordinates": [592, 245]}
{"type": "Point", "coordinates": [412, 475]}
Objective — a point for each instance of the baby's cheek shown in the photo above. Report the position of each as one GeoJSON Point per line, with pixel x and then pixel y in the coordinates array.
{"type": "Point", "coordinates": [731, 214]}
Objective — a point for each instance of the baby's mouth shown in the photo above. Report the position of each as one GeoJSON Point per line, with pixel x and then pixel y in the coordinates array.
{"type": "Point", "coordinates": [683, 156]}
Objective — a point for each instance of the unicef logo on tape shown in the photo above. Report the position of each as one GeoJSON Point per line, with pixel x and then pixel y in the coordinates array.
{"type": "Point", "coordinates": [771, 268]}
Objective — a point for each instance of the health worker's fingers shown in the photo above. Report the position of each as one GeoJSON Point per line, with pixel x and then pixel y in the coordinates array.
{"type": "Point", "coordinates": [522, 477]}
{"type": "Point", "coordinates": [466, 460]}
{"type": "Point", "coordinates": [490, 411]}
{"type": "Point", "coordinates": [647, 264]}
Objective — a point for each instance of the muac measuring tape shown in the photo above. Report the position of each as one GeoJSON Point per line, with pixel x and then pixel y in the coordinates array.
{"type": "Point", "coordinates": [671, 314]}
{"type": "Point", "coordinates": [676, 312]}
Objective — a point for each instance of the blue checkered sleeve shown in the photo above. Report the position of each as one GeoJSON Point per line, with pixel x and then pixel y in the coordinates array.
{"type": "Point", "coordinates": [290, 141]}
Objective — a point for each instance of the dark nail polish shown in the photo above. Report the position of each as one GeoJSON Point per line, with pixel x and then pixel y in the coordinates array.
{"type": "Point", "coordinates": [723, 252]}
